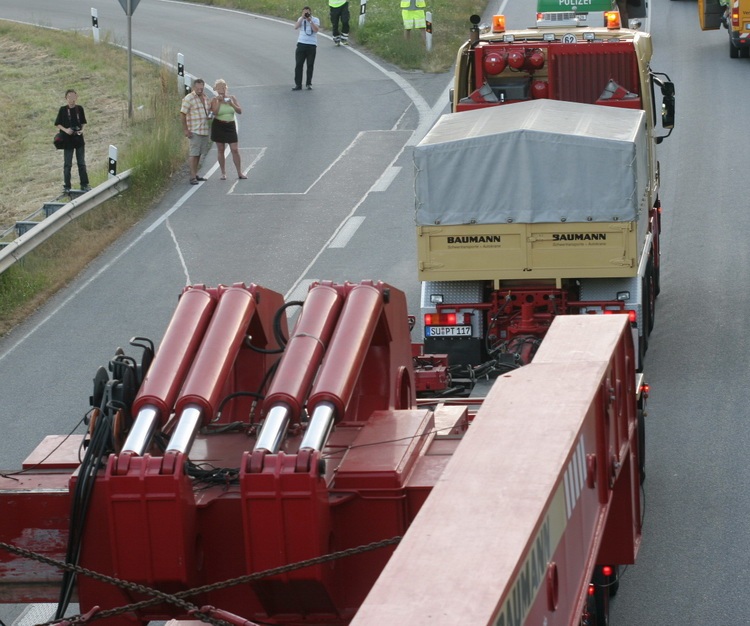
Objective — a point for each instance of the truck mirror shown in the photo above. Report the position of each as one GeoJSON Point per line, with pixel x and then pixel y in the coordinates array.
{"type": "Point", "coordinates": [667, 107]}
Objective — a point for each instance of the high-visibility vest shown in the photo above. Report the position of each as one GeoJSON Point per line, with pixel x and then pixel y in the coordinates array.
{"type": "Point", "coordinates": [406, 4]}
{"type": "Point", "coordinates": [334, 4]}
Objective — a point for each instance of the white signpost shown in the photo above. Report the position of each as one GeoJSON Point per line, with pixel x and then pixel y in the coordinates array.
{"type": "Point", "coordinates": [129, 6]}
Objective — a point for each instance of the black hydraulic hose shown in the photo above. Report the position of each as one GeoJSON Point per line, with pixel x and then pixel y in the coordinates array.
{"type": "Point", "coordinates": [280, 339]}
{"type": "Point", "coordinates": [100, 445]}
{"type": "Point", "coordinates": [278, 335]}
{"type": "Point", "coordinates": [237, 394]}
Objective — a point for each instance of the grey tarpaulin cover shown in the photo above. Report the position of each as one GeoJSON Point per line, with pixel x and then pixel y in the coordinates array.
{"type": "Point", "coordinates": [532, 162]}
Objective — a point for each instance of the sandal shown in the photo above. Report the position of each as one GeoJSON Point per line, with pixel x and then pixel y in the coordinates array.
{"type": "Point", "coordinates": [223, 177]}
{"type": "Point", "coordinates": [242, 177]}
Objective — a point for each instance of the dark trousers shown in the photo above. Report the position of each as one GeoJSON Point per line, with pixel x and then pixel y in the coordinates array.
{"type": "Point", "coordinates": [68, 164]}
{"type": "Point", "coordinates": [305, 53]}
{"type": "Point", "coordinates": [340, 13]}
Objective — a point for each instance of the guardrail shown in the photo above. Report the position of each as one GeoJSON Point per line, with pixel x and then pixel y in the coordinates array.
{"type": "Point", "coordinates": [41, 231]}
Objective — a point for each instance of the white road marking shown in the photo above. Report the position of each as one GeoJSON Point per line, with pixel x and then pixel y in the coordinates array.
{"type": "Point", "coordinates": [346, 232]}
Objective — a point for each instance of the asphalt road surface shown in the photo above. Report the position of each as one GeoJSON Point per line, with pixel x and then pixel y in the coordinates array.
{"type": "Point", "coordinates": [329, 196]}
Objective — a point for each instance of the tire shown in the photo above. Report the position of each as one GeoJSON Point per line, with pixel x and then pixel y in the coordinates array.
{"type": "Point", "coordinates": [645, 309]}
{"type": "Point", "coordinates": [744, 53]}
{"type": "Point", "coordinates": [614, 581]}
{"type": "Point", "coordinates": [641, 446]}
{"type": "Point", "coordinates": [601, 600]}
{"type": "Point", "coordinates": [651, 293]}
{"type": "Point", "coordinates": [733, 51]}
{"type": "Point", "coordinates": [641, 354]}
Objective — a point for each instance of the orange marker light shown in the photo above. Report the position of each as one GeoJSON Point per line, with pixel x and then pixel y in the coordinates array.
{"type": "Point", "coordinates": [498, 23]}
{"type": "Point", "coordinates": [612, 19]}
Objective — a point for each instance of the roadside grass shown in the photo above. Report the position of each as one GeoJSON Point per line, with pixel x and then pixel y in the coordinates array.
{"type": "Point", "coordinates": [151, 142]}
{"type": "Point", "coordinates": [39, 64]}
{"type": "Point", "coordinates": [383, 31]}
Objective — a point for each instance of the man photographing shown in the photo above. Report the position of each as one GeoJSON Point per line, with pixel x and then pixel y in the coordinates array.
{"type": "Point", "coordinates": [307, 46]}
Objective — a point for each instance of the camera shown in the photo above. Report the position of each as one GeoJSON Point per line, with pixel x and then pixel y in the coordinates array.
{"type": "Point", "coordinates": [307, 14]}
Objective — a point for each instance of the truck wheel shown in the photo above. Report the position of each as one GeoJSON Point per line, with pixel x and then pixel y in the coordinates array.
{"type": "Point", "coordinates": [645, 310]}
{"type": "Point", "coordinates": [641, 445]}
{"type": "Point", "coordinates": [614, 581]}
{"type": "Point", "coordinates": [745, 53]}
{"type": "Point", "coordinates": [733, 51]}
{"type": "Point", "coordinates": [651, 295]}
{"type": "Point", "coordinates": [600, 607]}
{"type": "Point", "coordinates": [641, 354]}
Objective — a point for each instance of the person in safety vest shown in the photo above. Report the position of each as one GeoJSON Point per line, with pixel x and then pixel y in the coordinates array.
{"type": "Point", "coordinates": [340, 11]}
{"type": "Point", "coordinates": [412, 12]}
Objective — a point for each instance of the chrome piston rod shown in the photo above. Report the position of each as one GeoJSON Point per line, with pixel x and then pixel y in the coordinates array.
{"type": "Point", "coordinates": [319, 428]}
{"type": "Point", "coordinates": [139, 437]}
{"type": "Point", "coordinates": [274, 429]}
{"type": "Point", "coordinates": [187, 427]}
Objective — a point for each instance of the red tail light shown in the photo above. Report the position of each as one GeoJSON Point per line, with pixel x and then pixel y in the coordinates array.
{"type": "Point", "coordinates": [592, 591]}
{"type": "Point", "coordinates": [440, 319]}
{"type": "Point", "coordinates": [633, 316]}
{"type": "Point", "coordinates": [607, 570]}
{"type": "Point", "coordinates": [736, 17]}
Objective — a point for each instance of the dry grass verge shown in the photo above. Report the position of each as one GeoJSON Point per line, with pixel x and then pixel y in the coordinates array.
{"type": "Point", "coordinates": [32, 169]}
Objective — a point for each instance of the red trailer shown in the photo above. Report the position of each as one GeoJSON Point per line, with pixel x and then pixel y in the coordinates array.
{"type": "Point", "coordinates": [240, 470]}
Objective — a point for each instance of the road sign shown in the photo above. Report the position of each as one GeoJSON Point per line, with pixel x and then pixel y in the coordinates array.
{"type": "Point", "coordinates": [133, 4]}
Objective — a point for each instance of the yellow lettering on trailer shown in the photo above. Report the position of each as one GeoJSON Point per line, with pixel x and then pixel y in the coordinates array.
{"type": "Point", "coordinates": [531, 576]}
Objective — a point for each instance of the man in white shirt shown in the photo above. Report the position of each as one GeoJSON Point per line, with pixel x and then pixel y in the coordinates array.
{"type": "Point", "coordinates": [307, 46]}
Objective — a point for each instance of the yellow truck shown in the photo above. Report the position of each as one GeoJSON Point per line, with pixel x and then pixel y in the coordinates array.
{"type": "Point", "coordinates": [538, 195]}
{"type": "Point", "coordinates": [734, 15]}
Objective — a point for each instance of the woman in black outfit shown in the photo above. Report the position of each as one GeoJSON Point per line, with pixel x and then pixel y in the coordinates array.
{"type": "Point", "coordinates": [70, 120]}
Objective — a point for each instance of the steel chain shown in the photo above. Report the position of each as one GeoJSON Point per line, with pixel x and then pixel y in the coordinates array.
{"type": "Point", "coordinates": [177, 598]}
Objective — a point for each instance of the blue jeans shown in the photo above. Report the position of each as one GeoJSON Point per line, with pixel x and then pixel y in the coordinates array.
{"type": "Point", "coordinates": [68, 164]}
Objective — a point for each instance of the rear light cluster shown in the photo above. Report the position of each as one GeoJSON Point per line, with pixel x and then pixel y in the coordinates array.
{"type": "Point", "coordinates": [446, 319]}
{"type": "Point", "coordinates": [631, 313]}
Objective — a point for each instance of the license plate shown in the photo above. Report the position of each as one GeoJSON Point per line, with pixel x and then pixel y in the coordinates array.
{"type": "Point", "coordinates": [447, 331]}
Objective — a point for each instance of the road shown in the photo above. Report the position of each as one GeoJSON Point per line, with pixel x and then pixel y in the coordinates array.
{"type": "Point", "coordinates": [341, 152]}
{"type": "Point", "coordinates": [317, 158]}
{"type": "Point", "coordinates": [695, 543]}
